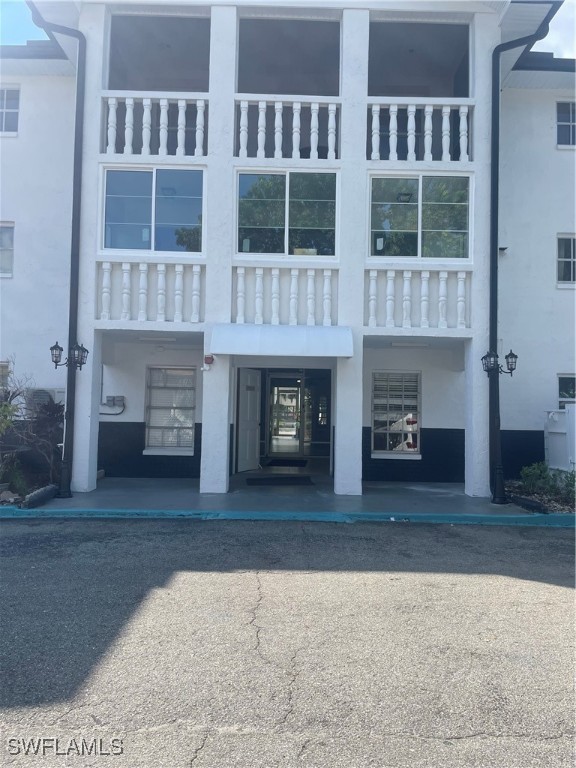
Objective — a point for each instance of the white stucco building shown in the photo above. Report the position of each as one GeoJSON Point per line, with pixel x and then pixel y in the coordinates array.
{"type": "Point", "coordinates": [284, 243]}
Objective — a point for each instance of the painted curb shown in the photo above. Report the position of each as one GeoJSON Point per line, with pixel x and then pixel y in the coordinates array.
{"type": "Point", "coordinates": [553, 520]}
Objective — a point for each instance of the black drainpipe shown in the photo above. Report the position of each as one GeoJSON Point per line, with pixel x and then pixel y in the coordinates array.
{"type": "Point", "coordinates": [496, 470]}
{"type": "Point", "coordinates": [68, 453]}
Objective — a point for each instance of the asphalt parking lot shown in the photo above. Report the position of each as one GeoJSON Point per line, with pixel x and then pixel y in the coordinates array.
{"type": "Point", "coordinates": [186, 644]}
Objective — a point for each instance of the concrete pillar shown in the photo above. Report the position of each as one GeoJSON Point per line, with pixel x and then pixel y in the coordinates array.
{"type": "Point", "coordinates": [214, 464]}
{"type": "Point", "coordinates": [353, 207]}
{"type": "Point", "coordinates": [477, 453]}
{"type": "Point", "coordinates": [87, 418]}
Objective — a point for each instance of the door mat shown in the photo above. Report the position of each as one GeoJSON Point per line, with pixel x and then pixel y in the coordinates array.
{"type": "Point", "coordinates": [287, 463]}
{"type": "Point", "coordinates": [280, 480]}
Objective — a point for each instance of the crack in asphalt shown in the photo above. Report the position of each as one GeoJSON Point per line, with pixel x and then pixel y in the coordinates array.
{"type": "Point", "coordinates": [199, 748]}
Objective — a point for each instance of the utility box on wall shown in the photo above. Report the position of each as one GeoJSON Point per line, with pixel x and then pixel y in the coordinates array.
{"type": "Point", "coordinates": [560, 438]}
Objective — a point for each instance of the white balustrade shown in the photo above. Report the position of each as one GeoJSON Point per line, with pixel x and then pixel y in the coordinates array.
{"type": "Point", "coordinates": [306, 128]}
{"type": "Point", "coordinates": [284, 295]}
{"type": "Point", "coordinates": [149, 292]}
{"type": "Point", "coordinates": [415, 130]}
{"type": "Point", "coordinates": [415, 298]}
{"type": "Point", "coordinates": [149, 124]}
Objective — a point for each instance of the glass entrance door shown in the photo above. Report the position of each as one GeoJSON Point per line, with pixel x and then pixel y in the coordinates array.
{"type": "Point", "coordinates": [285, 401]}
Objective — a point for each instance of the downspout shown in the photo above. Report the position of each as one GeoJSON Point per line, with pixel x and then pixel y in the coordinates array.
{"type": "Point", "coordinates": [68, 453]}
{"type": "Point", "coordinates": [496, 470]}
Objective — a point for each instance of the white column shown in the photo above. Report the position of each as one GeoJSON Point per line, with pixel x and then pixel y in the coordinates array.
{"type": "Point", "coordinates": [214, 462]}
{"type": "Point", "coordinates": [349, 372]}
{"type": "Point", "coordinates": [476, 442]}
{"type": "Point", "coordinates": [86, 421]}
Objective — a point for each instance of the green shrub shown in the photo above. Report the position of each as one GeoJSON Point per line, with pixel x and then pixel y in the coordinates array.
{"type": "Point", "coordinates": [539, 479]}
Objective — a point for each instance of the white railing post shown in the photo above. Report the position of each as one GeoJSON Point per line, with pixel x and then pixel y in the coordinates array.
{"type": "Point", "coordinates": [178, 292]}
{"type": "Point", "coordinates": [407, 300]}
{"type": "Point", "coordinates": [293, 317]}
{"type": "Point", "coordinates": [314, 108]}
{"type": "Point", "coordinates": [261, 129]}
{"type": "Point", "coordinates": [424, 299]}
{"type": "Point", "coordinates": [372, 298]}
{"type": "Point", "coordinates": [311, 297]}
{"type": "Point", "coordinates": [195, 315]}
{"type": "Point", "coordinates": [442, 299]}
{"type": "Point", "coordinates": [181, 134]}
{"type": "Point", "coordinates": [331, 131]}
{"type": "Point", "coordinates": [464, 134]}
{"type": "Point", "coordinates": [278, 107]}
{"type": "Point", "coordinates": [259, 297]}
{"type": "Point", "coordinates": [375, 132]}
{"type": "Point", "coordinates": [461, 301]}
{"type": "Point", "coordinates": [129, 127]}
{"type": "Point", "coordinates": [393, 132]}
{"type": "Point", "coordinates": [146, 125]}
{"type": "Point", "coordinates": [445, 134]}
{"type": "Point", "coordinates": [275, 296]}
{"type": "Point", "coordinates": [143, 293]}
{"type": "Point", "coordinates": [200, 115]}
{"type": "Point", "coordinates": [126, 291]}
{"type": "Point", "coordinates": [163, 149]}
{"type": "Point", "coordinates": [106, 290]}
{"type": "Point", "coordinates": [112, 118]}
{"type": "Point", "coordinates": [243, 129]}
{"type": "Point", "coordinates": [411, 133]}
{"type": "Point", "coordinates": [428, 110]}
{"type": "Point", "coordinates": [390, 297]}
{"type": "Point", "coordinates": [296, 107]}
{"type": "Point", "coordinates": [327, 297]}
{"type": "Point", "coordinates": [240, 295]}
{"type": "Point", "coordinates": [161, 293]}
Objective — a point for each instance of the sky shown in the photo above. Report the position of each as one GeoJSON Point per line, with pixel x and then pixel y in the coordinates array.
{"type": "Point", "coordinates": [16, 27]}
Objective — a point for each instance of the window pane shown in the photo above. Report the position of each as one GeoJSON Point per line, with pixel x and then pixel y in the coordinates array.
{"type": "Point", "coordinates": [12, 99]}
{"type": "Point", "coordinates": [10, 121]}
{"type": "Point", "coordinates": [171, 183]}
{"type": "Point", "coordinates": [567, 387]}
{"type": "Point", "coordinates": [566, 271]}
{"type": "Point", "coordinates": [6, 237]}
{"type": "Point", "coordinates": [128, 210]}
{"type": "Point", "coordinates": [264, 187]}
{"type": "Point", "coordinates": [313, 186]}
{"type": "Point", "coordinates": [131, 183]}
{"type": "Point", "coordinates": [261, 213]}
{"type": "Point", "coordinates": [440, 217]}
{"type": "Point", "coordinates": [564, 134]}
{"type": "Point", "coordinates": [261, 240]}
{"type": "Point", "coordinates": [390, 190]}
{"type": "Point", "coordinates": [308, 214]}
{"type": "Point", "coordinates": [6, 262]}
{"type": "Point", "coordinates": [445, 245]}
{"type": "Point", "coordinates": [127, 236]}
{"type": "Point", "coordinates": [394, 244]}
{"type": "Point", "coordinates": [564, 111]}
{"type": "Point", "coordinates": [320, 240]}
{"type": "Point", "coordinates": [444, 189]}
{"type": "Point", "coordinates": [395, 216]}
{"type": "Point", "coordinates": [395, 417]}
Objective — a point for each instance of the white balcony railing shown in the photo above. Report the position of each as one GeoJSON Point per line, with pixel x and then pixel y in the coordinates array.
{"type": "Point", "coordinates": [417, 298]}
{"type": "Point", "coordinates": [413, 130]}
{"type": "Point", "coordinates": [284, 295]}
{"type": "Point", "coordinates": [150, 291]}
{"type": "Point", "coordinates": [152, 124]}
{"type": "Point", "coordinates": [299, 127]}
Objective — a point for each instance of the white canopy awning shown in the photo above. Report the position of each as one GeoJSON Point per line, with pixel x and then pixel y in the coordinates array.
{"type": "Point", "coordinates": [281, 340]}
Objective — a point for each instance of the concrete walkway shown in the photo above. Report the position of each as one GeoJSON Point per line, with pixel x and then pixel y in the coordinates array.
{"type": "Point", "coordinates": [160, 498]}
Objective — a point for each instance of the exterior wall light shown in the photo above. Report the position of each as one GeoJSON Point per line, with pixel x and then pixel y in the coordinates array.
{"type": "Point", "coordinates": [490, 363]}
{"type": "Point", "coordinates": [77, 356]}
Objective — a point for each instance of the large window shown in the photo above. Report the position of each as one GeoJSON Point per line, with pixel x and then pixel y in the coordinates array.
{"type": "Point", "coordinates": [6, 249]}
{"type": "Point", "coordinates": [566, 390]}
{"type": "Point", "coordinates": [287, 213]}
{"type": "Point", "coordinates": [395, 413]}
{"type": "Point", "coordinates": [566, 123]}
{"type": "Point", "coordinates": [154, 210]}
{"type": "Point", "coordinates": [9, 106]}
{"type": "Point", "coordinates": [423, 216]}
{"type": "Point", "coordinates": [566, 259]}
{"type": "Point", "coordinates": [170, 409]}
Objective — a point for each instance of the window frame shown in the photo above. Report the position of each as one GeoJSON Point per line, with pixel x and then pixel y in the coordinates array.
{"type": "Point", "coordinates": [285, 255]}
{"type": "Point", "coordinates": [9, 225]}
{"type": "Point", "coordinates": [168, 450]}
{"type": "Point", "coordinates": [572, 260]}
{"type": "Point", "coordinates": [404, 455]}
{"type": "Point", "coordinates": [419, 175]}
{"type": "Point", "coordinates": [104, 250]}
{"type": "Point", "coordinates": [571, 123]}
{"type": "Point", "coordinates": [3, 110]}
